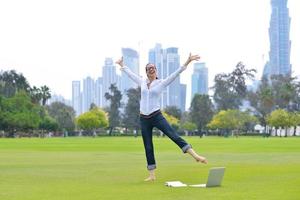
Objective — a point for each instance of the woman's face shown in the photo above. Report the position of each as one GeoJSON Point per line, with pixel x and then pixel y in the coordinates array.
{"type": "Point", "coordinates": [151, 70]}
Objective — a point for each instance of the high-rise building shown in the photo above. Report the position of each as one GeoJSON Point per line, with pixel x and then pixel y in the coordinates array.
{"type": "Point", "coordinates": [131, 60]}
{"type": "Point", "coordinates": [280, 44]}
{"type": "Point", "coordinates": [99, 96]}
{"type": "Point", "coordinates": [182, 96]}
{"type": "Point", "coordinates": [167, 61]}
{"type": "Point", "coordinates": [76, 97]}
{"type": "Point", "coordinates": [156, 56]}
{"type": "Point", "coordinates": [199, 79]}
{"type": "Point", "coordinates": [88, 96]}
{"type": "Point", "coordinates": [172, 64]}
{"type": "Point", "coordinates": [109, 76]}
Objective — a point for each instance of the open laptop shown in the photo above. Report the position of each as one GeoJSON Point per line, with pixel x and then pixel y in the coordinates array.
{"type": "Point", "coordinates": [214, 179]}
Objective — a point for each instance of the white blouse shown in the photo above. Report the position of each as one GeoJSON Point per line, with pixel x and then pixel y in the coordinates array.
{"type": "Point", "coordinates": [150, 98]}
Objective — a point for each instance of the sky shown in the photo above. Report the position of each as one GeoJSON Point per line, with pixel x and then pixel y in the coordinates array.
{"type": "Point", "coordinates": [55, 42]}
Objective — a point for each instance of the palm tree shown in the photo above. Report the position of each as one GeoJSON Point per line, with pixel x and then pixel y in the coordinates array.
{"type": "Point", "coordinates": [45, 91]}
{"type": "Point", "coordinates": [36, 95]}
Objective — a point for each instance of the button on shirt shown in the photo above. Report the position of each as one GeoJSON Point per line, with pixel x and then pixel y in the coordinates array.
{"type": "Point", "coordinates": [150, 97]}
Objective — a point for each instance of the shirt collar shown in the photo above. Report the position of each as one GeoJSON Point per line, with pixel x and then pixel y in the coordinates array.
{"type": "Point", "coordinates": [148, 81]}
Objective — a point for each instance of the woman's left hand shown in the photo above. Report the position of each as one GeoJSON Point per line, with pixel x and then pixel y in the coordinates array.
{"type": "Point", "coordinates": [191, 58]}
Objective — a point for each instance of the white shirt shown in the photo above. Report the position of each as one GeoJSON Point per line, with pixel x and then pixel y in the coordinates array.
{"type": "Point", "coordinates": [150, 97]}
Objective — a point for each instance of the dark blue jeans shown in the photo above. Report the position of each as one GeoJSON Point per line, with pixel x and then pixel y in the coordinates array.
{"type": "Point", "coordinates": [158, 121]}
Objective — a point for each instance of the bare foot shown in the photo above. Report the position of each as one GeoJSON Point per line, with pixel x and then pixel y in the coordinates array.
{"type": "Point", "coordinates": [196, 156]}
{"type": "Point", "coordinates": [200, 159]}
{"type": "Point", "coordinates": [150, 178]}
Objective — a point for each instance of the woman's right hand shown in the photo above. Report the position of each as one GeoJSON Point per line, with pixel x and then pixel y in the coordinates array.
{"type": "Point", "coordinates": [120, 62]}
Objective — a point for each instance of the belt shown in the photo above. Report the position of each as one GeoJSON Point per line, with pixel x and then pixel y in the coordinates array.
{"type": "Point", "coordinates": [150, 115]}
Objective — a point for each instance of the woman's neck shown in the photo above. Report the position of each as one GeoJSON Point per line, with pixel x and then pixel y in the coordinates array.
{"type": "Point", "coordinates": [151, 78]}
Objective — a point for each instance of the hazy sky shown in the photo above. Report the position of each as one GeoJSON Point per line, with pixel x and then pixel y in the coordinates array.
{"type": "Point", "coordinates": [54, 42]}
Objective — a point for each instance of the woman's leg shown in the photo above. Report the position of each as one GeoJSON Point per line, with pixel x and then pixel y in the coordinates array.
{"type": "Point", "coordinates": [147, 128]}
{"type": "Point", "coordinates": [161, 123]}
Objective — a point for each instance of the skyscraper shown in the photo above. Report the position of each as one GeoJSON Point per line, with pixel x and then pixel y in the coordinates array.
{"type": "Point", "coordinates": [182, 97]}
{"type": "Point", "coordinates": [280, 44]}
{"type": "Point", "coordinates": [99, 96]}
{"type": "Point", "coordinates": [167, 61]}
{"type": "Point", "coordinates": [131, 60]}
{"type": "Point", "coordinates": [199, 79]}
{"type": "Point", "coordinates": [76, 97]}
{"type": "Point", "coordinates": [88, 93]}
{"type": "Point", "coordinates": [156, 56]}
{"type": "Point", "coordinates": [109, 76]}
{"type": "Point", "coordinates": [172, 64]}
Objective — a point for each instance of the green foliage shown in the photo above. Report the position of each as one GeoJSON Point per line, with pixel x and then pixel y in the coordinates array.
{"type": "Point", "coordinates": [189, 126]}
{"type": "Point", "coordinates": [262, 100]}
{"type": "Point", "coordinates": [174, 111]}
{"type": "Point", "coordinates": [11, 82]}
{"type": "Point", "coordinates": [40, 95]}
{"type": "Point", "coordinates": [278, 118]}
{"type": "Point", "coordinates": [277, 92]}
{"type": "Point", "coordinates": [63, 114]}
{"type": "Point", "coordinates": [201, 110]}
{"type": "Point", "coordinates": [114, 97]}
{"type": "Point", "coordinates": [45, 91]}
{"type": "Point", "coordinates": [173, 121]}
{"type": "Point", "coordinates": [132, 109]}
{"type": "Point", "coordinates": [19, 113]}
{"type": "Point", "coordinates": [49, 124]}
{"type": "Point", "coordinates": [284, 90]}
{"type": "Point", "coordinates": [230, 89]}
{"type": "Point", "coordinates": [231, 119]}
{"type": "Point", "coordinates": [91, 120]}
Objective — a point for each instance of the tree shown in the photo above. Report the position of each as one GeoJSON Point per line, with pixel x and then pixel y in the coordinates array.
{"type": "Point", "coordinates": [296, 101]}
{"type": "Point", "coordinates": [36, 94]}
{"type": "Point", "coordinates": [295, 120]}
{"type": "Point", "coordinates": [48, 123]}
{"type": "Point", "coordinates": [91, 120]}
{"type": "Point", "coordinates": [174, 122]}
{"type": "Point", "coordinates": [230, 89]}
{"type": "Point", "coordinates": [262, 100]}
{"type": "Point", "coordinates": [222, 120]}
{"type": "Point", "coordinates": [19, 113]}
{"type": "Point", "coordinates": [281, 118]}
{"type": "Point", "coordinates": [93, 106]}
{"type": "Point", "coordinates": [284, 89]}
{"type": "Point", "coordinates": [201, 111]}
{"type": "Point", "coordinates": [63, 114]}
{"type": "Point", "coordinates": [45, 94]}
{"type": "Point", "coordinates": [40, 95]}
{"type": "Point", "coordinates": [174, 111]}
{"type": "Point", "coordinates": [229, 120]}
{"type": "Point", "coordinates": [11, 82]}
{"type": "Point", "coordinates": [114, 97]}
{"type": "Point", "coordinates": [1, 113]}
{"type": "Point", "coordinates": [189, 126]}
{"type": "Point", "coordinates": [132, 109]}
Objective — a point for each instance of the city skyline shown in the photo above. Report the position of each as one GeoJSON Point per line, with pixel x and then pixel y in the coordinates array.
{"type": "Point", "coordinates": [54, 43]}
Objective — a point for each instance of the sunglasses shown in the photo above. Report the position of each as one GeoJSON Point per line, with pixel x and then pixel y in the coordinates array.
{"type": "Point", "coordinates": [149, 67]}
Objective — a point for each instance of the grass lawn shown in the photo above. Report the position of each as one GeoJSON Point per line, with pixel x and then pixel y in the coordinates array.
{"type": "Point", "coordinates": [114, 168]}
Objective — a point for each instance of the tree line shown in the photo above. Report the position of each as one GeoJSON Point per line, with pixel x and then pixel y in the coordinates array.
{"type": "Point", "coordinates": [275, 103]}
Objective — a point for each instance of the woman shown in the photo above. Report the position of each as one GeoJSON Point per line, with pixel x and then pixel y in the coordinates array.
{"type": "Point", "coordinates": [150, 114]}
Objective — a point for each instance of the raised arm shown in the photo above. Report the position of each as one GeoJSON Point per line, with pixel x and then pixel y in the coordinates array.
{"type": "Point", "coordinates": [175, 74]}
{"type": "Point", "coordinates": [136, 78]}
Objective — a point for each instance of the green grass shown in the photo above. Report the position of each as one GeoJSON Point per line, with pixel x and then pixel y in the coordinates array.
{"type": "Point", "coordinates": [114, 168]}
